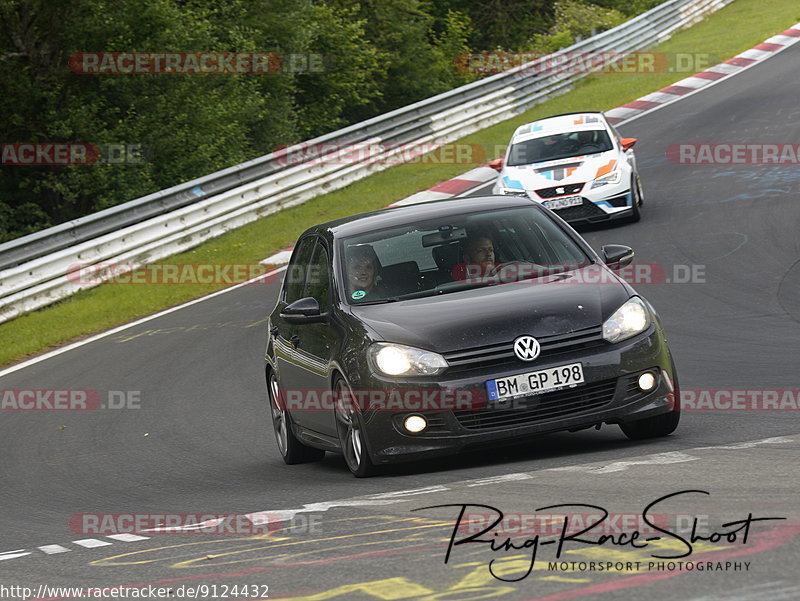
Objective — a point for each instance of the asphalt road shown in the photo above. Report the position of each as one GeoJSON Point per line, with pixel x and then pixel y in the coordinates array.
{"type": "Point", "coordinates": [200, 440]}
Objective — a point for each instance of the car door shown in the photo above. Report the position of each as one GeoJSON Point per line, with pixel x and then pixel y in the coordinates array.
{"type": "Point", "coordinates": [303, 351]}
{"type": "Point", "coordinates": [315, 342]}
{"type": "Point", "coordinates": [285, 334]}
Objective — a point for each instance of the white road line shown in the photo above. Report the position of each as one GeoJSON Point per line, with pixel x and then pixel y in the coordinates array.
{"type": "Point", "coordinates": [12, 554]}
{"type": "Point", "coordinates": [132, 324]}
{"type": "Point", "coordinates": [750, 444]}
{"type": "Point", "coordinates": [407, 493]}
{"type": "Point", "coordinates": [288, 514]}
{"type": "Point", "coordinates": [127, 538]}
{"type": "Point", "coordinates": [52, 549]}
{"type": "Point", "coordinates": [499, 479]}
{"type": "Point", "coordinates": [284, 515]}
{"type": "Point", "coordinates": [91, 543]}
{"type": "Point", "coordinates": [619, 466]}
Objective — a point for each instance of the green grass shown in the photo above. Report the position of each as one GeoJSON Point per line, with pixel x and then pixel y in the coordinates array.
{"type": "Point", "coordinates": [728, 32]}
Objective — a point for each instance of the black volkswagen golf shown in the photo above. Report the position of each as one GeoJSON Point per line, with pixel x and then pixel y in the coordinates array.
{"type": "Point", "coordinates": [423, 330]}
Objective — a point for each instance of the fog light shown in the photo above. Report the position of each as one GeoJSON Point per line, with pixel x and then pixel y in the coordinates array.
{"type": "Point", "coordinates": [647, 381]}
{"type": "Point", "coordinates": [415, 423]}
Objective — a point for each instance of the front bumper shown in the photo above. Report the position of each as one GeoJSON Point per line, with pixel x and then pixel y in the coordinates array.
{"type": "Point", "coordinates": [608, 395]}
{"type": "Point", "coordinates": [593, 210]}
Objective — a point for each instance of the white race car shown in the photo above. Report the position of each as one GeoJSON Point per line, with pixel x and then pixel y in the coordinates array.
{"type": "Point", "coordinates": [575, 164]}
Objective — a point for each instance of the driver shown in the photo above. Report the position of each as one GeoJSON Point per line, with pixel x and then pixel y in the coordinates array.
{"type": "Point", "coordinates": [478, 259]}
{"type": "Point", "coordinates": [552, 147]}
{"type": "Point", "coordinates": [585, 138]}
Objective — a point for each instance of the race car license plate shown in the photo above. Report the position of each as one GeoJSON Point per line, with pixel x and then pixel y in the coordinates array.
{"type": "Point", "coordinates": [535, 382]}
{"type": "Point", "coordinates": [563, 203]}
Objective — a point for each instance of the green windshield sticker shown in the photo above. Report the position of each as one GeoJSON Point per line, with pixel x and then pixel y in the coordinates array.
{"type": "Point", "coordinates": [358, 294]}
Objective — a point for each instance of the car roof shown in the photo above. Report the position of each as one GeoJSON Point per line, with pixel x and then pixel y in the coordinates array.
{"type": "Point", "coordinates": [363, 223]}
{"type": "Point", "coordinates": [564, 123]}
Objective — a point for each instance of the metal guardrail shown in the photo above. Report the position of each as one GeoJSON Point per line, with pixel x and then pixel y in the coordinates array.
{"type": "Point", "coordinates": [41, 268]}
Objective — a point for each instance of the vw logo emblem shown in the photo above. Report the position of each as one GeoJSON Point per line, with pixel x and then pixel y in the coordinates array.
{"type": "Point", "coordinates": [527, 348]}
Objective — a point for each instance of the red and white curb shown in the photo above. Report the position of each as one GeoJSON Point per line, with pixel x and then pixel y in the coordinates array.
{"type": "Point", "coordinates": [621, 114]}
{"type": "Point", "coordinates": [451, 187]}
{"type": "Point", "coordinates": [701, 80]}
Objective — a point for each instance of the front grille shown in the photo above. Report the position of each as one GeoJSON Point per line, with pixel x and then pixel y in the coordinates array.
{"type": "Point", "coordinates": [587, 210]}
{"type": "Point", "coordinates": [503, 353]}
{"type": "Point", "coordinates": [565, 190]}
{"type": "Point", "coordinates": [538, 408]}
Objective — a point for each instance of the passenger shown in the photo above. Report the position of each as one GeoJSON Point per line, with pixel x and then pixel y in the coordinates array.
{"type": "Point", "coordinates": [362, 274]}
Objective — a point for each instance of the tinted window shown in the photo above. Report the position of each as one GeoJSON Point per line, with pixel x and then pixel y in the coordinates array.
{"type": "Point", "coordinates": [295, 278]}
{"type": "Point", "coordinates": [451, 250]}
{"type": "Point", "coordinates": [558, 146]}
{"type": "Point", "coordinates": [318, 277]}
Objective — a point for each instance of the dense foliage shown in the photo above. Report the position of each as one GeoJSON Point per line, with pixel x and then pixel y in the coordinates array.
{"type": "Point", "coordinates": [376, 55]}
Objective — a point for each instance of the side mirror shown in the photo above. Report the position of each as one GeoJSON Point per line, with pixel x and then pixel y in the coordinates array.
{"type": "Point", "coordinates": [627, 143]}
{"type": "Point", "coordinates": [303, 310]}
{"type": "Point", "coordinates": [617, 255]}
{"type": "Point", "coordinates": [497, 164]}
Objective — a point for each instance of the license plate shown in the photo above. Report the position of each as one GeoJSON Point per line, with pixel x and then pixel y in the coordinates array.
{"type": "Point", "coordinates": [535, 382]}
{"type": "Point", "coordinates": [563, 203]}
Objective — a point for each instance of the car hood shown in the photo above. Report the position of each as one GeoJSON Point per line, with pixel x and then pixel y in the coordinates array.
{"type": "Point", "coordinates": [572, 170]}
{"type": "Point", "coordinates": [496, 314]}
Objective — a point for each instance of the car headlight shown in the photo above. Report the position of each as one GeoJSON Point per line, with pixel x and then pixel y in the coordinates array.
{"type": "Point", "coordinates": [513, 191]}
{"type": "Point", "coordinates": [610, 178]}
{"type": "Point", "coordinates": [630, 319]}
{"type": "Point", "coordinates": [400, 360]}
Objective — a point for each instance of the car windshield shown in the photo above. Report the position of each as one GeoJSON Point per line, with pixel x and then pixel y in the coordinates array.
{"type": "Point", "coordinates": [558, 146]}
{"type": "Point", "coordinates": [454, 254]}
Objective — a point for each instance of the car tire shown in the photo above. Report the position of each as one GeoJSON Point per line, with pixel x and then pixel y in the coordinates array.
{"type": "Point", "coordinates": [352, 438]}
{"type": "Point", "coordinates": [639, 189]}
{"type": "Point", "coordinates": [658, 425]}
{"type": "Point", "coordinates": [291, 449]}
{"type": "Point", "coordinates": [636, 200]}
